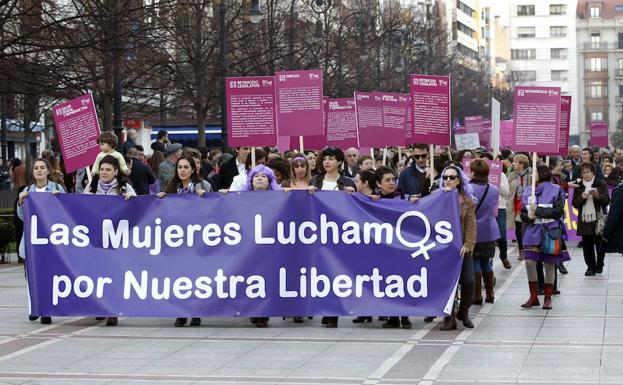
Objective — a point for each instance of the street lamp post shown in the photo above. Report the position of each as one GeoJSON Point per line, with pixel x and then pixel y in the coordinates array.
{"type": "Point", "coordinates": [117, 122]}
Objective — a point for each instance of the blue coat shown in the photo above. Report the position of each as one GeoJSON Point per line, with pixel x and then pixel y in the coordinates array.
{"type": "Point", "coordinates": [487, 228]}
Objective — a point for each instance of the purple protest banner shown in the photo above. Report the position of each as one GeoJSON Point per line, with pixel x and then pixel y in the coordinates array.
{"type": "Point", "coordinates": [570, 219]}
{"type": "Point", "coordinates": [565, 122]}
{"type": "Point", "coordinates": [507, 133]}
{"type": "Point", "coordinates": [394, 108]}
{"type": "Point", "coordinates": [536, 119]}
{"type": "Point", "coordinates": [299, 103]}
{"type": "Point", "coordinates": [369, 112]}
{"type": "Point", "coordinates": [342, 123]}
{"type": "Point", "coordinates": [599, 134]}
{"type": "Point", "coordinates": [77, 128]}
{"type": "Point", "coordinates": [251, 111]}
{"type": "Point", "coordinates": [430, 98]}
{"type": "Point", "coordinates": [237, 255]}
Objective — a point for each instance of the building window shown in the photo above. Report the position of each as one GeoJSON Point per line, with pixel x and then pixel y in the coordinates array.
{"type": "Point", "coordinates": [597, 116]}
{"type": "Point", "coordinates": [558, 53]}
{"type": "Point", "coordinates": [558, 9]}
{"type": "Point", "coordinates": [525, 32]}
{"type": "Point", "coordinates": [525, 10]}
{"type": "Point", "coordinates": [595, 11]}
{"type": "Point", "coordinates": [595, 40]}
{"type": "Point", "coordinates": [529, 76]}
{"type": "Point", "coordinates": [523, 54]}
{"type": "Point", "coordinates": [619, 67]}
{"type": "Point", "coordinates": [596, 90]}
{"type": "Point", "coordinates": [619, 8]}
{"type": "Point", "coordinates": [466, 30]}
{"type": "Point", "coordinates": [465, 8]}
{"type": "Point", "coordinates": [620, 91]}
{"type": "Point", "coordinates": [560, 75]}
{"type": "Point", "coordinates": [620, 43]}
{"type": "Point", "coordinates": [557, 31]}
{"type": "Point", "coordinates": [596, 64]}
{"type": "Point", "coordinates": [467, 52]}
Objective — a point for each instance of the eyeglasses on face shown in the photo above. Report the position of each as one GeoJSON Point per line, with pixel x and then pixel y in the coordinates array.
{"type": "Point", "coordinates": [422, 156]}
{"type": "Point", "coordinates": [450, 177]}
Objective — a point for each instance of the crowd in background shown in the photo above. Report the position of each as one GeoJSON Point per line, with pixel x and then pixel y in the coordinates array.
{"type": "Point", "coordinates": [488, 211]}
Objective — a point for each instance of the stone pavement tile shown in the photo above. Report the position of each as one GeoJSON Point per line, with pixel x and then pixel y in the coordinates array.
{"type": "Point", "coordinates": [347, 360]}
{"type": "Point", "coordinates": [614, 331]}
{"type": "Point", "coordinates": [416, 363]}
{"type": "Point", "coordinates": [564, 364]}
{"type": "Point", "coordinates": [611, 369]}
{"type": "Point", "coordinates": [563, 330]}
{"type": "Point", "coordinates": [582, 287]}
{"type": "Point", "coordinates": [501, 328]}
{"type": "Point", "coordinates": [615, 286]}
{"type": "Point", "coordinates": [493, 363]}
{"type": "Point", "coordinates": [615, 305]}
{"type": "Point", "coordinates": [578, 306]}
{"type": "Point", "coordinates": [510, 304]}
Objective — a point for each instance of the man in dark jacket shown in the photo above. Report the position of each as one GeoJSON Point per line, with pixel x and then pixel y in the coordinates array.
{"type": "Point", "coordinates": [415, 178]}
{"type": "Point", "coordinates": [141, 175]}
{"type": "Point", "coordinates": [613, 230]}
{"type": "Point", "coordinates": [234, 166]}
{"type": "Point", "coordinates": [351, 167]}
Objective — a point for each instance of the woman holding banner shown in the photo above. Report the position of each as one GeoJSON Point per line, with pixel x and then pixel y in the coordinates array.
{"type": "Point", "coordinates": [487, 230]}
{"type": "Point", "coordinates": [41, 171]}
{"type": "Point", "coordinates": [330, 179]}
{"type": "Point", "coordinates": [544, 234]}
{"type": "Point", "coordinates": [590, 199]}
{"type": "Point", "coordinates": [109, 181]}
{"type": "Point", "coordinates": [453, 178]}
{"type": "Point", "coordinates": [186, 180]}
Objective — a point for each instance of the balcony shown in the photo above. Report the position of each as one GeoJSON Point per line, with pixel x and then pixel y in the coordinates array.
{"type": "Point", "coordinates": [602, 46]}
{"type": "Point", "coordinates": [618, 73]}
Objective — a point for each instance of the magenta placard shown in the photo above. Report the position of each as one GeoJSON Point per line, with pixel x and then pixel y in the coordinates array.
{"type": "Point", "coordinates": [506, 133]}
{"type": "Point", "coordinates": [495, 170]}
{"type": "Point", "coordinates": [299, 103]}
{"type": "Point", "coordinates": [408, 122]}
{"type": "Point", "coordinates": [369, 112]}
{"type": "Point", "coordinates": [599, 134]}
{"type": "Point", "coordinates": [342, 123]}
{"type": "Point", "coordinates": [77, 128]}
{"type": "Point", "coordinates": [485, 133]}
{"type": "Point", "coordinates": [430, 98]}
{"type": "Point", "coordinates": [473, 124]}
{"type": "Point", "coordinates": [251, 111]}
{"type": "Point", "coordinates": [565, 123]}
{"type": "Point", "coordinates": [395, 108]}
{"type": "Point", "coordinates": [310, 142]}
{"type": "Point", "coordinates": [536, 119]}
{"type": "Point", "coordinates": [283, 143]}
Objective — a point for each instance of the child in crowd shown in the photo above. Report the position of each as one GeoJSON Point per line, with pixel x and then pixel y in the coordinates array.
{"type": "Point", "coordinates": [108, 142]}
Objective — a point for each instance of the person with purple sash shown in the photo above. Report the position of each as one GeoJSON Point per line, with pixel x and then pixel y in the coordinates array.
{"type": "Point", "coordinates": [544, 234]}
{"type": "Point", "coordinates": [487, 230]}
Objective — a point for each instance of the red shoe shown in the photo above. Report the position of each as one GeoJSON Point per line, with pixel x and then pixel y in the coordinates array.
{"type": "Point", "coordinates": [534, 298]}
{"type": "Point", "coordinates": [549, 291]}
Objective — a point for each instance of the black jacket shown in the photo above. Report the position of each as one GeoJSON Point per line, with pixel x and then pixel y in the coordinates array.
{"type": "Point", "coordinates": [411, 181]}
{"type": "Point", "coordinates": [613, 230]}
{"type": "Point", "coordinates": [601, 202]}
{"type": "Point", "coordinates": [342, 182]}
{"type": "Point", "coordinates": [141, 177]}
{"type": "Point", "coordinates": [348, 174]}
{"type": "Point", "coordinates": [226, 175]}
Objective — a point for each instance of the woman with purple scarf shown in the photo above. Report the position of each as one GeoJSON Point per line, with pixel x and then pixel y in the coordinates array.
{"type": "Point", "coordinates": [487, 229]}
{"type": "Point", "coordinates": [544, 234]}
{"type": "Point", "coordinates": [260, 178]}
{"type": "Point", "coordinates": [109, 181]}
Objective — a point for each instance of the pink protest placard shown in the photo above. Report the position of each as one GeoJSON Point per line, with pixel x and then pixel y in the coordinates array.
{"type": "Point", "coordinates": [473, 124]}
{"type": "Point", "coordinates": [565, 120]}
{"type": "Point", "coordinates": [536, 119]}
{"type": "Point", "coordinates": [495, 170]}
{"type": "Point", "coordinates": [342, 123]}
{"type": "Point", "coordinates": [299, 103]}
{"type": "Point", "coordinates": [77, 128]}
{"type": "Point", "coordinates": [283, 143]}
{"type": "Point", "coordinates": [430, 100]}
{"type": "Point", "coordinates": [369, 112]}
{"type": "Point", "coordinates": [408, 122]}
{"type": "Point", "coordinates": [310, 142]}
{"type": "Point", "coordinates": [251, 111]}
{"type": "Point", "coordinates": [599, 134]}
{"type": "Point", "coordinates": [394, 108]}
{"type": "Point", "coordinates": [507, 133]}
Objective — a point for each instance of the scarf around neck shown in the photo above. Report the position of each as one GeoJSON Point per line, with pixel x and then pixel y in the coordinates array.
{"type": "Point", "coordinates": [589, 213]}
{"type": "Point", "coordinates": [106, 187]}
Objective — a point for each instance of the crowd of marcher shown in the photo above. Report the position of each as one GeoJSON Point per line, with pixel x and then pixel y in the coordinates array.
{"type": "Point", "coordinates": [486, 210]}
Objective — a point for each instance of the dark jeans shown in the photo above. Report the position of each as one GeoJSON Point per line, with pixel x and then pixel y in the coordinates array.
{"type": "Point", "coordinates": [590, 247]}
{"type": "Point", "coordinates": [502, 242]}
{"type": "Point", "coordinates": [519, 234]}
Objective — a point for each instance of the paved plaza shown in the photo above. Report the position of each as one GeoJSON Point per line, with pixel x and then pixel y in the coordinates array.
{"type": "Point", "coordinates": [580, 341]}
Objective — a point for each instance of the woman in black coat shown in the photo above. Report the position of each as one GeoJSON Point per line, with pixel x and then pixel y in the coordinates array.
{"type": "Point", "coordinates": [590, 199]}
{"type": "Point", "coordinates": [613, 230]}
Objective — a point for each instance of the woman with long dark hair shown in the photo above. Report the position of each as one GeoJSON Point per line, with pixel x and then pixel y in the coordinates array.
{"type": "Point", "coordinates": [41, 170]}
